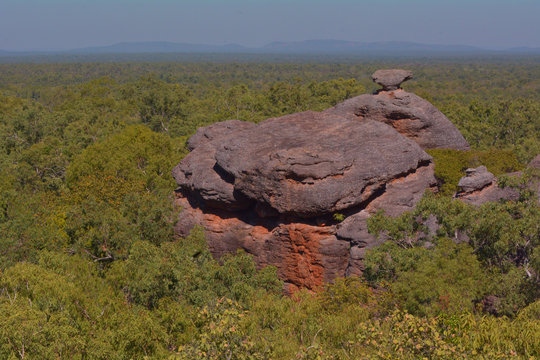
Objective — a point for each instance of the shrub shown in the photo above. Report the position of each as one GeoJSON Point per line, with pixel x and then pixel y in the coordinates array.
{"type": "Point", "coordinates": [451, 164]}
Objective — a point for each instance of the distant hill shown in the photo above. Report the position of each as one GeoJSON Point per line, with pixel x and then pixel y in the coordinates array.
{"type": "Point", "coordinates": [338, 46]}
{"type": "Point", "coordinates": [158, 47]}
{"type": "Point", "coordinates": [323, 47]}
{"type": "Point", "coordinates": [524, 50]}
{"type": "Point", "coordinates": [296, 47]}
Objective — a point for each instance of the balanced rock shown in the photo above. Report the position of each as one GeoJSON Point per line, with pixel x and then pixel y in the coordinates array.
{"type": "Point", "coordinates": [409, 114]}
{"type": "Point", "coordinates": [391, 79]}
{"type": "Point", "coordinates": [272, 189]}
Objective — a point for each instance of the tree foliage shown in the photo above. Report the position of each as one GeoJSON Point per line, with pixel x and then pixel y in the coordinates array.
{"type": "Point", "coordinates": [90, 267]}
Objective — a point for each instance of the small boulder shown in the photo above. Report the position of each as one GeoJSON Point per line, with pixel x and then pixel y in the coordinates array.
{"type": "Point", "coordinates": [476, 179]}
{"type": "Point", "coordinates": [479, 186]}
{"type": "Point", "coordinates": [354, 229]}
{"type": "Point", "coordinates": [391, 79]}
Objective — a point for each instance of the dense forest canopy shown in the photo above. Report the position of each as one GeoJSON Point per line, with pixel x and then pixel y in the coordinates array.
{"type": "Point", "coordinates": [90, 267]}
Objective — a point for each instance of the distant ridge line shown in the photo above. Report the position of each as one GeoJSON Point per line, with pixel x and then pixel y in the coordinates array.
{"type": "Point", "coordinates": [321, 46]}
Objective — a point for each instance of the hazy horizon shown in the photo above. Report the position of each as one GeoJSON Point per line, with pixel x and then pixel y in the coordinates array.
{"type": "Point", "coordinates": [34, 25]}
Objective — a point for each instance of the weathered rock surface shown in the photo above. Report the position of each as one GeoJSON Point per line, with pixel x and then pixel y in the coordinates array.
{"type": "Point", "coordinates": [400, 195]}
{"type": "Point", "coordinates": [271, 189]}
{"type": "Point", "coordinates": [196, 173]}
{"type": "Point", "coordinates": [354, 229]}
{"type": "Point", "coordinates": [409, 114]}
{"type": "Point", "coordinates": [391, 79]}
{"type": "Point", "coordinates": [305, 255]}
{"type": "Point", "coordinates": [312, 164]}
{"type": "Point", "coordinates": [491, 192]}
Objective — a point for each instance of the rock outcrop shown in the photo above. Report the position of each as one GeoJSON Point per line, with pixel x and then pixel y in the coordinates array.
{"type": "Point", "coordinates": [408, 113]}
{"type": "Point", "coordinates": [276, 189]}
{"type": "Point", "coordinates": [479, 186]}
{"type": "Point", "coordinates": [272, 190]}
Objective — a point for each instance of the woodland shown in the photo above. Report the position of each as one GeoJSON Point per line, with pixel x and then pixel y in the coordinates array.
{"type": "Point", "coordinates": [90, 267]}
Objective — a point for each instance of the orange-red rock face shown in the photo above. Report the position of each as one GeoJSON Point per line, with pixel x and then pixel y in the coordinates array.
{"type": "Point", "coordinates": [309, 253]}
{"type": "Point", "coordinates": [305, 255]}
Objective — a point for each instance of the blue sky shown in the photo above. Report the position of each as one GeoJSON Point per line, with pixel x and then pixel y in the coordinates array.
{"type": "Point", "coordinates": [63, 24]}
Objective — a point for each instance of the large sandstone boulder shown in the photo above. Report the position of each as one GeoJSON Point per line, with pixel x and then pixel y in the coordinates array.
{"type": "Point", "coordinates": [312, 164]}
{"type": "Point", "coordinates": [272, 189]}
{"type": "Point", "coordinates": [408, 113]}
{"type": "Point", "coordinates": [276, 189]}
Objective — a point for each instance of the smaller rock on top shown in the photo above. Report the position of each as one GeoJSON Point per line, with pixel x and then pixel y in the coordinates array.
{"type": "Point", "coordinates": [391, 79]}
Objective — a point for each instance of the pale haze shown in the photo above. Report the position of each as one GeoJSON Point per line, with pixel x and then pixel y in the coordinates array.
{"type": "Point", "coordinates": [62, 24]}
